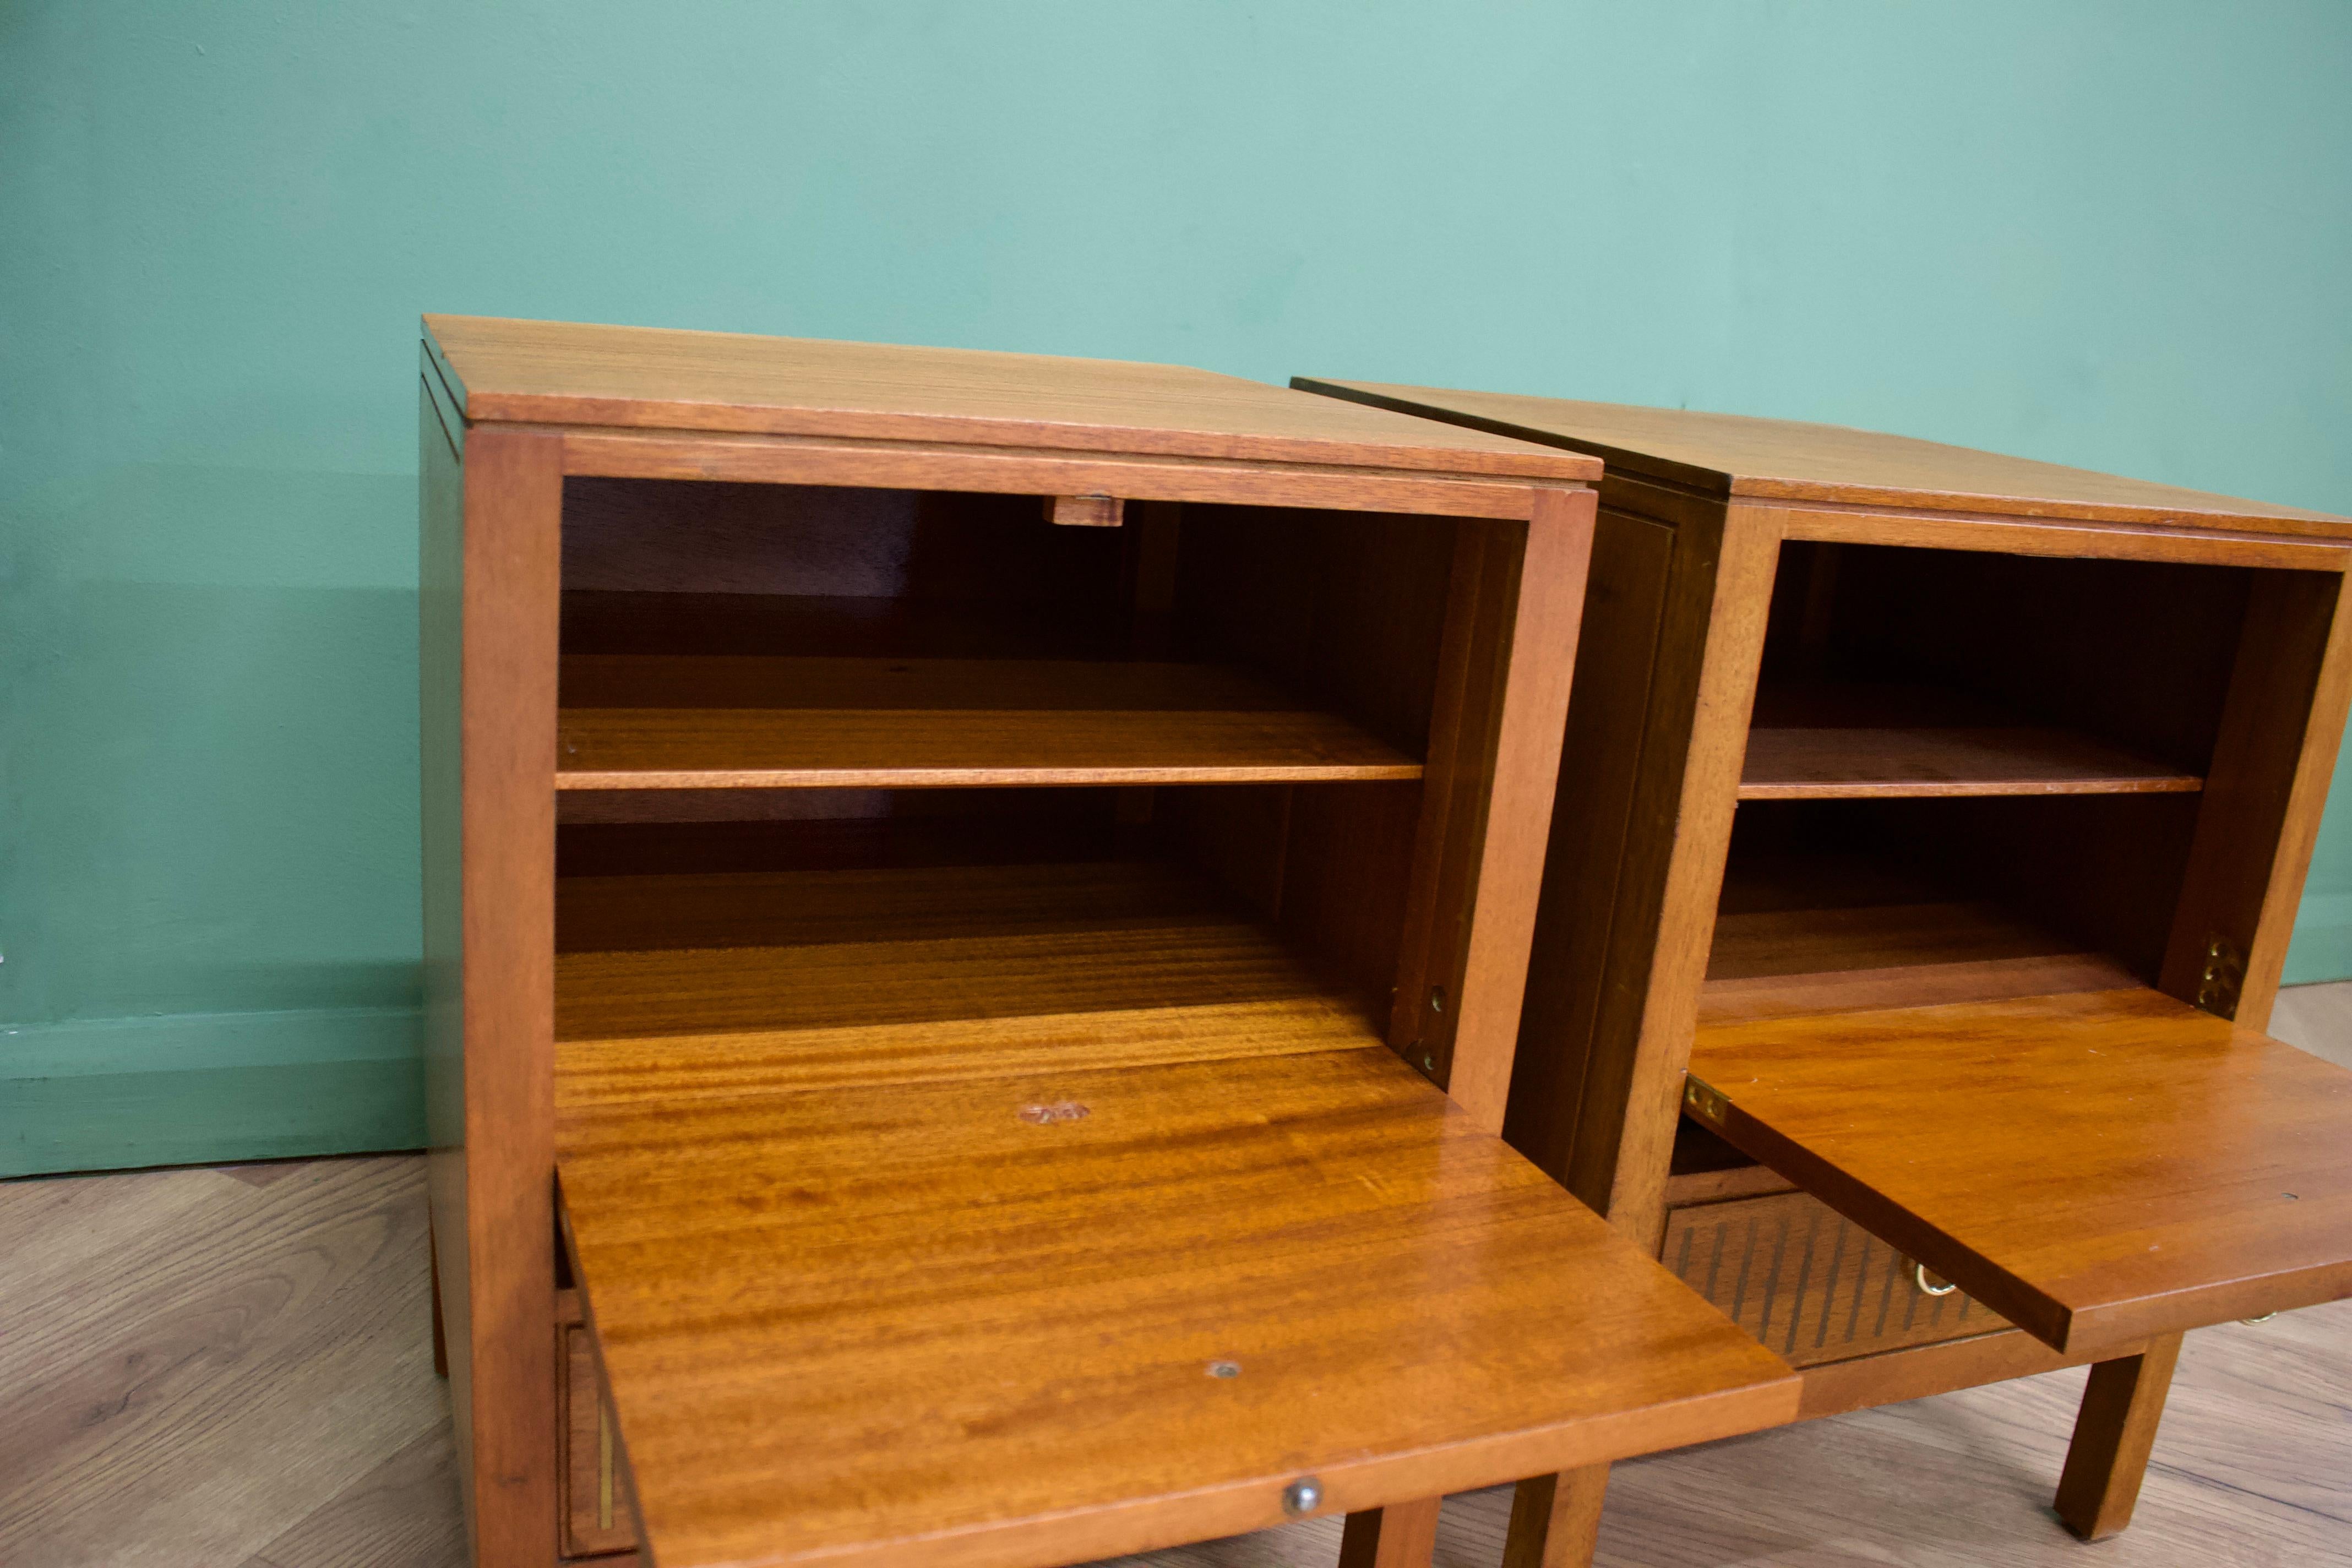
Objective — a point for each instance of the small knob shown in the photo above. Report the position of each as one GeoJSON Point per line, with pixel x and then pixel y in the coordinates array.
{"type": "Point", "coordinates": [1304, 1495]}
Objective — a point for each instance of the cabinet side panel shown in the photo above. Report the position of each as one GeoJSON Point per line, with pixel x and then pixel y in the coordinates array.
{"type": "Point", "coordinates": [513, 504]}
{"type": "Point", "coordinates": [1608, 714]}
{"type": "Point", "coordinates": [1530, 713]}
{"type": "Point", "coordinates": [1588, 1146]}
{"type": "Point", "coordinates": [1719, 595]}
{"type": "Point", "coordinates": [1517, 595]}
{"type": "Point", "coordinates": [441, 541]}
{"type": "Point", "coordinates": [2259, 814]}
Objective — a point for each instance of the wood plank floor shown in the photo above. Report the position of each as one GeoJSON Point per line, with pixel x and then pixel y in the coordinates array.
{"type": "Point", "coordinates": [231, 1369]}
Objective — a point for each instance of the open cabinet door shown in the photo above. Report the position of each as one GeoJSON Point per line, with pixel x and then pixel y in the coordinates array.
{"type": "Point", "coordinates": [2098, 1167]}
{"type": "Point", "coordinates": [1048, 1316]}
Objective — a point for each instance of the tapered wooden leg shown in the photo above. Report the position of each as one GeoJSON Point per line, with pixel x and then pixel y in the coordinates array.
{"type": "Point", "coordinates": [440, 1334]}
{"type": "Point", "coordinates": [2113, 1435]}
{"type": "Point", "coordinates": [1556, 1519]}
{"type": "Point", "coordinates": [1401, 1535]}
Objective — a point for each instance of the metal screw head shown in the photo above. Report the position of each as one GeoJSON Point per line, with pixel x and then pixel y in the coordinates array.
{"type": "Point", "coordinates": [1304, 1495]}
{"type": "Point", "coordinates": [1224, 1368]}
{"type": "Point", "coordinates": [1437, 998]}
{"type": "Point", "coordinates": [1428, 1062]}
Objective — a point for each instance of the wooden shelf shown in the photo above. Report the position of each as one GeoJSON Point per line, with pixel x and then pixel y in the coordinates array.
{"type": "Point", "coordinates": [1843, 743]}
{"type": "Point", "coordinates": [2098, 1167]}
{"type": "Point", "coordinates": [752, 983]}
{"type": "Point", "coordinates": [1800, 935]}
{"type": "Point", "coordinates": [688, 721]}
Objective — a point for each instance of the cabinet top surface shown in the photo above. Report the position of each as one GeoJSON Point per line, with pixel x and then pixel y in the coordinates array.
{"type": "Point", "coordinates": [554, 373]}
{"type": "Point", "coordinates": [1785, 459]}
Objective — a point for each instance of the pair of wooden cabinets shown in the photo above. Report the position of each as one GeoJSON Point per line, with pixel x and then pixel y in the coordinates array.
{"type": "Point", "coordinates": [978, 909]}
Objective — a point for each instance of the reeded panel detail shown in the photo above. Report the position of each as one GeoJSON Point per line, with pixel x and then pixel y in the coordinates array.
{"type": "Point", "coordinates": [1810, 1284]}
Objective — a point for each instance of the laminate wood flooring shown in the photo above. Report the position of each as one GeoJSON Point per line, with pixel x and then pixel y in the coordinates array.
{"type": "Point", "coordinates": [231, 1369]}
{"type": "Point", "coordinates": [221, 1369]}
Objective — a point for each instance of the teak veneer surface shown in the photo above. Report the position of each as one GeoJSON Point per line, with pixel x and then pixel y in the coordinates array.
{"type": "Point", "coordinates": [739, 983]}
{"type": "Point", "coordinates": [693, 722]}
{"type": "Point", "coordinates": [1820, 764]}
{"type": "Point", "coordinates": [1784, 460]}
{"type": "Point", "coordinates": [1842, 740]}
{"type": "Point", "coordinates": [556, 373]}
{"type": "Point", "coordinates": [2098, 1167]}
{"type": "Point", "coordinates": [932, 1323]}
{"type": "Point", "coordinates": [1801, 934]}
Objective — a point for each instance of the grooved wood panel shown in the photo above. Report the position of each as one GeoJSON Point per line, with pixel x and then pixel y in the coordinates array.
{"type": "Point", "coordinates": [998, 1337]}
{"type": "Point", "coordinates": [1730, 454]}
{"type": "Point", "coordinates": [691, 722]}
{"type": "Point", "coordinates": [2098, 1167]}
{"type": "Point", "coordinates": [567, 374]}
{"type": "Point", "coordinates": [1809, 1283]}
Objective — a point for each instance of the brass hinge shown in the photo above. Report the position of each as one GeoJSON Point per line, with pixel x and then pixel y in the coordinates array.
{"type": "Point", "coordinates": [2224, 976]}
{"type": "Point", "coordinates": [1704, 1101]}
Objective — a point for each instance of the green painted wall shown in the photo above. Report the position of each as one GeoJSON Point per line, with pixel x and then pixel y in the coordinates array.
{"type": "Point", "coordinates": [2108, 234]}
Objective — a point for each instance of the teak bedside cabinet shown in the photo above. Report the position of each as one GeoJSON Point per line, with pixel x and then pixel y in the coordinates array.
{"type": "Point", "coordinates": [1929, 831]}
{"type": "Point", "coordinates": [984, 899]}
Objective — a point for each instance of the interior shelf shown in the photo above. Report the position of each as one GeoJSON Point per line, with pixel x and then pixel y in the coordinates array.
{"type": "Point", "coordinates": [1804, 934]}
{"type": "Point", "coordinates": [698, 722]}
{"type": "Point", "coordinates": [743, 983]}
{"type": "Point", "coordinates": [1834, 741]}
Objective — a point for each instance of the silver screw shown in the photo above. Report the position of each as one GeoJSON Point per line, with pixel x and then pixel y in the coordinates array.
{"type": "Point", "coordinates": [1224, 1368]}
{"type": "Point", "coordinates": [1437, 998]}
{"type": "Point", "coordinates": [1428, 1062]}
{"type": "Point", "coordinates": [1304, 1495]}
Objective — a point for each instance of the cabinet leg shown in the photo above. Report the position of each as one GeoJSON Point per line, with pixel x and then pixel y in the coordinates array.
{"type": "Point", "coordinates": [1556, 1519]}
{"type": "Point", "coordinates": [440, 1332]}
{"type": "Point", "coordinates": [2113, 1435]}
{"type": "Point", "coordinates": [1401, 1535]}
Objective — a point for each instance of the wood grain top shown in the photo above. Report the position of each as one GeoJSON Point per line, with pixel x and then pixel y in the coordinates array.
{"type": "Point", "coordinates": [557, 373]}
{"type": "Point", "coordinates": [695, 721]}
{"type": "Point", "coordinates": [2098, 1167]}
{"type": "Point", "coordinates": [1735, 455]}
{"type": "Point", "coordinates": [982, 1320]}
